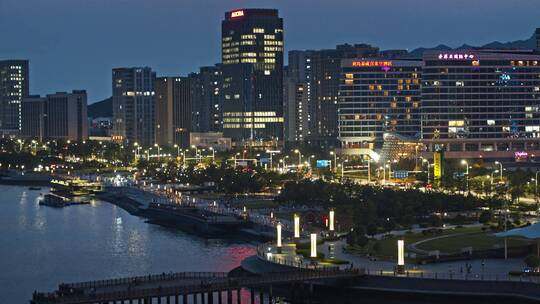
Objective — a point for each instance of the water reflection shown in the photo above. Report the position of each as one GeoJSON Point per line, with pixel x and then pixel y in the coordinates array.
{"type": "Point", "coordinates": [43, 246]}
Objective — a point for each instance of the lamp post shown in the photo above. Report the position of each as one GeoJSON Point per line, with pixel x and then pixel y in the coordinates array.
{"type": "Point", "coordinates": [335, 159]}
{"type": "Point", "coordinates": [343, 167]}
{"type": "Point", "coordinates": [157, 146]}
{"type": "Point", "coordinates": [299, 156]}
{"type": "Point", "coordinates": [500, 168]}
{"type": "Point", "coordinates": [464, 162]}
{"type": "Point", "coordinates": [196, 151]}
{"type": "Point", "coordinates": [309, 159]}
{"type": "Point", "coordinates": [491, 185]}
{"type": "Point", "coordinates": [136, 145]}
{"type": "Point", "coordinates": [213, 154]}
{"type": "Point", "coordinates": [177, 150]}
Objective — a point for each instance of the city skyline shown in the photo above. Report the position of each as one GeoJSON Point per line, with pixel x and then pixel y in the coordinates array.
{"type": "Point", "coordinates": [84, 53]}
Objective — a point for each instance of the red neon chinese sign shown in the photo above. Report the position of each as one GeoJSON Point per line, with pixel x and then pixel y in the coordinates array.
{"type": "Point", "coordinates": [449, 56]}
{"type": "Point", "coordinates": [236, 14]}
{"type": "Point", "coordinates": [372, 63]}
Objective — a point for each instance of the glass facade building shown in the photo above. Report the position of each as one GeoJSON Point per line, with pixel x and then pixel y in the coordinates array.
{"type": "Point", "coordinates": [14, 86]}
{"type": "Point", "coordinates": [481, 100]}
{"type": "Point", "coordinates": [252, 71]}
{"type": "Point", "coordinates": [173, 111]}
{"type": "Point", "coordinates": [378, 96]}
{"type": "Point", "coordinates": [133, 105]}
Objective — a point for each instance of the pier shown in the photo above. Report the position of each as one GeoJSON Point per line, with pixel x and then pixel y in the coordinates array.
{"type": "Point", "coordinates": [187, 287]}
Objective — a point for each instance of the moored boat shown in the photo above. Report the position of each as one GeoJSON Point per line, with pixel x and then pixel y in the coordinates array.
{"type": "Point", "coordinates": [57, 201]}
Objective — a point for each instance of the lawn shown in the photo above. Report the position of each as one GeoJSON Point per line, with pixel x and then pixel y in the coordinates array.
{"type": "Point", "coordinates": [478, 241]}
{"type": "Point", "coordinates": [259, 204]}
{"type": "Point", "coordinates": [387, 248]}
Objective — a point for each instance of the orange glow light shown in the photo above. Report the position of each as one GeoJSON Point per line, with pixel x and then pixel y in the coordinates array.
{"type": "Point", "coordinates": [237, 14]}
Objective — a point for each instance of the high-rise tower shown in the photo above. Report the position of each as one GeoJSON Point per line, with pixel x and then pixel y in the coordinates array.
{"type": "Point", "coordinates": [252, 57]}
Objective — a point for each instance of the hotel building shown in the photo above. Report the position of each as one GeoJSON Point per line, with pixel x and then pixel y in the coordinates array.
{"type": "Point", "coordinates": [378, 96]}
{"type": "Point", "coordinates": [252, 57]}
{"type": "Point", "coordinates": [481, 103]}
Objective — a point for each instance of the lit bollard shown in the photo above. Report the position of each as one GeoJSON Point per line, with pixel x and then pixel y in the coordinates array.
{"type": "Point", "coordinates": [313, 245]}
{"type": "Point", "coordinates": [278, 241]}
{"type": "Point", "coordinates": [296, 226]}
{"type": "Point", "coordinates": [401, 257]}
{"type": "Point", "coordinates": [331, 221]}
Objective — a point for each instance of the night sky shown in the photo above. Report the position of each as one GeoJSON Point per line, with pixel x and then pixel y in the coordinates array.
{"type": "Point", "coordinates": [73, 44]}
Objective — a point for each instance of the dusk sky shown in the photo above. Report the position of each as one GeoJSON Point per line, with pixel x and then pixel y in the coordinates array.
{"type": "Point", "coordinates": [74, 44]}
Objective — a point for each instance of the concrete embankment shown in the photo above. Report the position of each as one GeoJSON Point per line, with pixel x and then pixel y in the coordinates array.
{"type": "Point", "coordinates": [190, 219]}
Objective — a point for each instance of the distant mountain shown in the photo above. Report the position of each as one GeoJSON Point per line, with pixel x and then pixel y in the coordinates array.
{"type": "Point", "coordinates": [518, 44]}
{"type": "Point", "coordinates": [101, 108]}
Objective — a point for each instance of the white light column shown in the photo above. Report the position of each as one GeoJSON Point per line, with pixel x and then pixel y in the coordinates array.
{"type": "Point", "coordinates": [278, 232]}
{"type": "Point", "coordinates": [401, 256]}
{"type": "Point", "coordinates": [313, 245]}
{"type": "Point", "coordinates": [296, 226]}
{"type": "Point", "coordinates": [331, 221]}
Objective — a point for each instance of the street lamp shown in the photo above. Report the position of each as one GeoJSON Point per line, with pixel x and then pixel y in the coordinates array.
{"type": "Point", "coordinates": [177, 150]}
{"type": "Point", "coordinates": [500, 167]}
{"type": "Point", "coordinates": [299, 156]}
{"type": "Point", "coordinates": [309, 159]}
{"type": "Point", "coordinates": [343, 167]}
{"type": "Point", "coordinates": [157, 146]}
{"type": "Point", "coordinates": [196, 151]}
{"type": "Point", "coordinates": [213, 153]}
{"type": "Point", "coordinates": [335, 159]}
{"type": "Point", "coordinates": [491, 187]}
{"type": "Point", "coordinates": [464, 162]}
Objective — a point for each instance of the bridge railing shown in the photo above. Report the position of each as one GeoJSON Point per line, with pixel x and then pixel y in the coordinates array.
{"type": "Point", "coordinates": [144, 279]}
{"type": "Point", "coordinates": [454, 276]}
{"type": "Point", "coordinates": [205, 285]}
